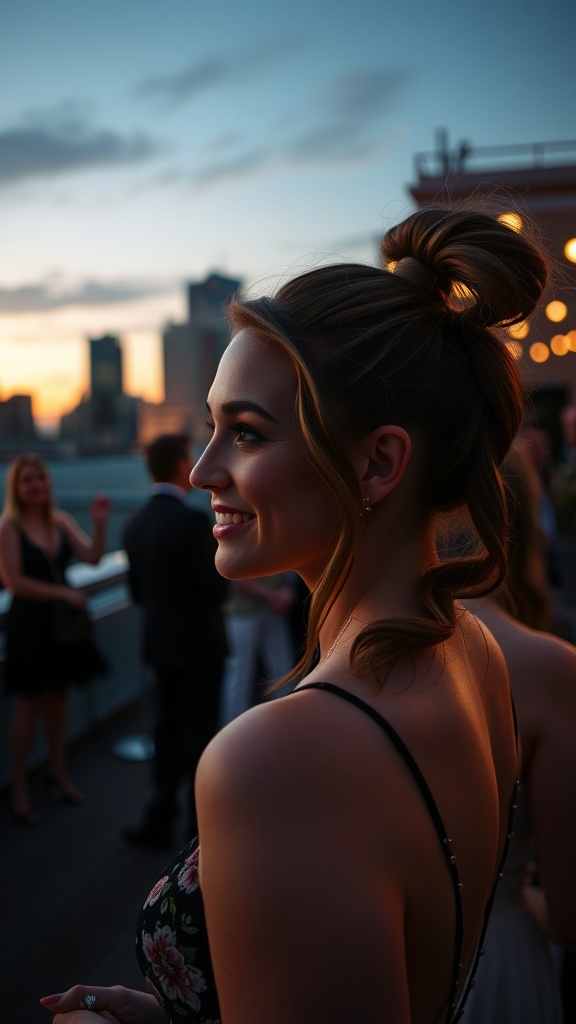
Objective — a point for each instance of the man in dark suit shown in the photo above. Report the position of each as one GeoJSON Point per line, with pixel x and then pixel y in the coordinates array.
{"type": "Point", "coordinates": [171, 550]}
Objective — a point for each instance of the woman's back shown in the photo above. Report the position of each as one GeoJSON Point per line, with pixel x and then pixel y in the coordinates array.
{"type": "Point", "coordinates": [339, 867]}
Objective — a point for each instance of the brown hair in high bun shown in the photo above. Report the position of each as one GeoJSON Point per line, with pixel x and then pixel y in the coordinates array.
{"type": "Point", "coordinates": [417, 346]}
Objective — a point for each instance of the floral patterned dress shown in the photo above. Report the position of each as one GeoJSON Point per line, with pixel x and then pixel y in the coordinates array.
{"type": "Point", "coordinates": [172, 944]}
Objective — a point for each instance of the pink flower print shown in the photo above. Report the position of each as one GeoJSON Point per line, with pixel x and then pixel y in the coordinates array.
{"type": "Point", "coordinates": [178, 979]}
{"type": "Point", "coordinates": [156, 891]}
{"type": "Point", "coordinates": [188, 875]}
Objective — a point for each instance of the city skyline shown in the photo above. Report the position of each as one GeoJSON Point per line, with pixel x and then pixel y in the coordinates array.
{"type": "Point", "coordinates": [143, 147]}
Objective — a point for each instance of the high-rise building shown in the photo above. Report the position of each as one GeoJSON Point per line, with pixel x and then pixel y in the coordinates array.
{"type": "Point", "coordinates": [105, 382]}
{"type": "Point", "coordinates": [192, 350]}
{"type": "Point", "coordinates": [107, 419]}
{"type": "Point", "coordinates": [536, 184]}
{"type": "Point", "coordinates": [16, 422]}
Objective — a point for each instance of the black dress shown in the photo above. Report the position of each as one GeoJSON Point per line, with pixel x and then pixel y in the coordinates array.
{"type": "Point", "coordinates": [34, 662]}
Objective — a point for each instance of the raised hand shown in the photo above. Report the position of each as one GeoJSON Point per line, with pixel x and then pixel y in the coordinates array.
{"type": "Point", "coordinates": [100, 508]}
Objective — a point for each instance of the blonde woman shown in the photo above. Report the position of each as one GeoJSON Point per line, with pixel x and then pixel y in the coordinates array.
{"type": "Point", "coordinates": [37, 542]}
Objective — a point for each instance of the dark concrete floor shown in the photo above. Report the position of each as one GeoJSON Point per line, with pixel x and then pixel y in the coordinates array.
{"type": "Point", "coordinates": [71, 888]}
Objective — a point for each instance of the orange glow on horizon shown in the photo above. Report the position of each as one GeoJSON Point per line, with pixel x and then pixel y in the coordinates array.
{"type": "Point", "coordinates": [52, 366]}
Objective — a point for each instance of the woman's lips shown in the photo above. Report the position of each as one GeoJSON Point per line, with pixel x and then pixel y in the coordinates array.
{"type": "Point", "coordinates": [228, 520]}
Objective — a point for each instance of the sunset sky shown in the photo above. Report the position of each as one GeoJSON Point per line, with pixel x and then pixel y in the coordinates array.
{"type": "Point", "coordinates": [146, 144]}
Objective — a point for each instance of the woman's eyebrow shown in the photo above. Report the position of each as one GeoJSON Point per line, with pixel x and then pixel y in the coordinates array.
{"type": "Point", "coordinates": [244, 405]}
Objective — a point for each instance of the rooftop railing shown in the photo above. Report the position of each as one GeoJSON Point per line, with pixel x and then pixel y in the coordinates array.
{"type": "Point", "coordinates": [444, 161]}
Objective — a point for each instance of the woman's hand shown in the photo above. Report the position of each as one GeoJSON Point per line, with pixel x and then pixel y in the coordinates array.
{"type": "Point", "coordinates": [116, 1004]}
{"type": "Point", "coordinates": [100, 508]}
{"type": "Point", "coordinates": [77, 598]}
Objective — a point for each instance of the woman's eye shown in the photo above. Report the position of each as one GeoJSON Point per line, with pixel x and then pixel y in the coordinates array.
{"type": "Point", "coordinates": [210, 426]}
{"type": "Point", "coordinates": [246, 434]}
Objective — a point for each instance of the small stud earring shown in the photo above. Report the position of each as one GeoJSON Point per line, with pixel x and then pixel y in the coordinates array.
{"type": "Point", "coordinates": [366, 506]}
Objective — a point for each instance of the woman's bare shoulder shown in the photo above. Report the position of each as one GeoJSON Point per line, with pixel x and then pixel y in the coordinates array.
{"type": "Point", "coordinates": [64, 520]}
{"type": "Point", "coordinates": [269, 746]}
{"type": "Point", "coordinates": [8, 527]}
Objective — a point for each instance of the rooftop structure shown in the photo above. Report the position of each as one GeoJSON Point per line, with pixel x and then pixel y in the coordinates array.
{"type": "Point", "coordinates": [534, 185]}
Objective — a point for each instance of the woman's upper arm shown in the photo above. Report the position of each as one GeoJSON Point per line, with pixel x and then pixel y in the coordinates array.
{"type": "Point", "coordinates": [10, 554]}
{"type": "Point", "coordinates": [302, 926]}
{"type": "Point", "coordinates": [551, 788]}
{"type": "Point", "coordinates": [80, 542]}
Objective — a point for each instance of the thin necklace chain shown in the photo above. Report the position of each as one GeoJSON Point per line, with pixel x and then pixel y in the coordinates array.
{"type": "Point", "coordinates": [330, 652]}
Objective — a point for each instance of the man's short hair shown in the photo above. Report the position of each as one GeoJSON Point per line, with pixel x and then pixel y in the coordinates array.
{"type": "Point", "coordinates": [165, 453]}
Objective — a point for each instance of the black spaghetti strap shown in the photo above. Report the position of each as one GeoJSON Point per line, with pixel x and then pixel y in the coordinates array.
{"type": "Point", "coordinates": [445, 842]}
{"type": "Point", "coordinates": [455, 1008]}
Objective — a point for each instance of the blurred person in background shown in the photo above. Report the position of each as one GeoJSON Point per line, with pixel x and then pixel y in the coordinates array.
{"type": "Point", "coordinates": [259, 631]}
{"type": "Point", "coordinates": [535, 442]}
{"type": "Point", "coordinates": [519, 981]}
{"type": "Point", "coordinates": [172, 576]}
{"type": "Point", "coordinates": [564, 475]}
{"type": "Point", "coordinates": [37, 543]}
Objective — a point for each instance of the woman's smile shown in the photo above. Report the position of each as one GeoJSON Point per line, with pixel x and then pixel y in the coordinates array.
{"type": "Point", "coordinates": [228, 519]}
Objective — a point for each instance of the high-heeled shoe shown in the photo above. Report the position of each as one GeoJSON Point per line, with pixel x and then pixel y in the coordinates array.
{"type": "Point", "coordinates": [68, 795]}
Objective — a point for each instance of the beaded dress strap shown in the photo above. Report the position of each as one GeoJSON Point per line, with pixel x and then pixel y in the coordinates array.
{"type": "Point", "coordinates": [445, 842]}
{"type": "Point", "coordinates": [455, 1009]}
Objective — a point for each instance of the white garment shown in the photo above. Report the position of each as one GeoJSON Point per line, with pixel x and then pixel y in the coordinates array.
{"type": "Point", "coordinates": [252, 635]}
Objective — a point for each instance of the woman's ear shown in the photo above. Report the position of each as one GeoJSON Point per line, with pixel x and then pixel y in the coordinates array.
{"type": "Point", "coordinates": [381, 461]}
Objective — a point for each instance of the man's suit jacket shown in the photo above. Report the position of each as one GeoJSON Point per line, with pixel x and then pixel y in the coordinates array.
{"type": "Point", "coordinates": [171, 549]}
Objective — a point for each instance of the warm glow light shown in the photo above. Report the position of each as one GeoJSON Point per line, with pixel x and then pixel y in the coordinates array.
{"type": "Point", "coordinates": [539, 352]}
{"type": "Point", "coordinates": [571, 339]}
{"type": "Point", "coordinates": [511, 220]}
{"type": "Point", "coordinates": [519, 330]}
{"type": "Point", "coordinates": [391, 266]}
{"type": "Point", "coordinates": [556, 311]}
{"type": "Point", "coordinates": [559, 345]}
{"type": "Point", "coordinates": [570, 250]}
{"type": "Point", "coordinates": [515, 349]}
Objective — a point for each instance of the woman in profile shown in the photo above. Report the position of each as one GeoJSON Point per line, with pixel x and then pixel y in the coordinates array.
{"type": "Point", "coordinates": [351, 834]}
{"type": "Point", "coordinates": [37, 541]}
{"type": "Point", "coordinates": [519, 983]}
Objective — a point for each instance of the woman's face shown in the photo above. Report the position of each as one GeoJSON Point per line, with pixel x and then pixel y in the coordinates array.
{"type": "Point", "coordinates": [273, 511]}
{"type": "Point", "coordinates": [32, 485]}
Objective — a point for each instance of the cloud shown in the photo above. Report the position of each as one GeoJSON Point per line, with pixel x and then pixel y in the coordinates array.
{"type": "Point", "coordinates": [187, 83]}
{"type": "Point", "coordinates": [57, 141]}
{"type": "Point", "coordinates": [216, 70]}
{"type": "Point", "coordinates": [237, 167]}
{"type": "Point", "coordinates": [349, 110]}
{"type": "Point", "coordinates": [364, 94]}
{"type": "Point", "coordinates": [43, 297]}
{"type": "Point", "coordinates": [353, 103]}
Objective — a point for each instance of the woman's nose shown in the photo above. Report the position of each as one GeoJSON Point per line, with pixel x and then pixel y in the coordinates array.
{"type": "Point", "coordinates": [207, 476]}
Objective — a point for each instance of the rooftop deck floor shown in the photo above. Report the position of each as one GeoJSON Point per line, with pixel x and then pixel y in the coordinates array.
{"type": "Point", "coordinates": [72, 887]}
